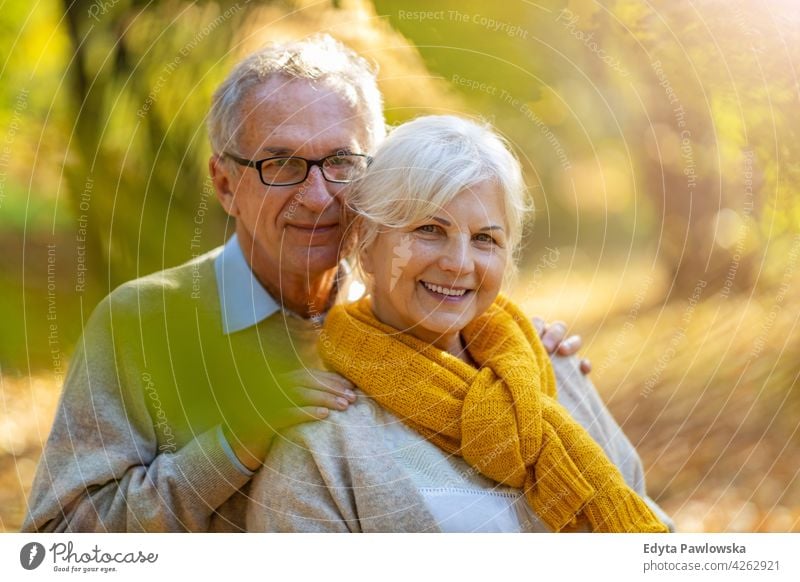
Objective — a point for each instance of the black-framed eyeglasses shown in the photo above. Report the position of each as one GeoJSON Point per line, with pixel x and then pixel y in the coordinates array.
{"type": "Point", "coordinates": [291, 170]}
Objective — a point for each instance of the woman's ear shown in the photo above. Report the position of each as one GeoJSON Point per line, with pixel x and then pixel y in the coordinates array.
{"type": "Point", "coordinates": [349, 219]}
{"type": "Point", "coordinates": [353, 235]}
{"type": "Point", "coordinates": [365, 260]}
{"type": "Point", "coordinates": [358, 227]}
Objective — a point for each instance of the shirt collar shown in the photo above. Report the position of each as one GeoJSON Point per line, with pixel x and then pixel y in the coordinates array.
{"type": "Point", "coordinates": [243, 300]}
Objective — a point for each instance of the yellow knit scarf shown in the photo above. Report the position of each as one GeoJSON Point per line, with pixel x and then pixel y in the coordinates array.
{"type": "Point", "coordinates": [503, 418]}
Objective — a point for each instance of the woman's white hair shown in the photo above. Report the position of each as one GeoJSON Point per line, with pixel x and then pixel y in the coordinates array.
{"type": "Point", "coordinates": [319, 59]}
{"type": "Point", "coordinates": [424, 164]}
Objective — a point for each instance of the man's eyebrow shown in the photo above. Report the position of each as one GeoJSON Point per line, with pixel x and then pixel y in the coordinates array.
{"type": "Point", "coordinates": [281, 151]}
{"type": "Point", "coordinates": [278, 151]}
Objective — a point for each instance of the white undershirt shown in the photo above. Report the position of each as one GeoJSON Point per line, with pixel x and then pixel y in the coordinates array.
{"type": "Point", "coordinates": [473, 510]}
{"type": "Point", "coordinates": [459, 498]}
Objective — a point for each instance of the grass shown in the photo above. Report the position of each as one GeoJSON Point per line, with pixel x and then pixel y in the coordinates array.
{"type": "Point", "coordinates": [707, 392]}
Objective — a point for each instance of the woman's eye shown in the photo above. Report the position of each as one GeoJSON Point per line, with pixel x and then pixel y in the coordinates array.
{"type": "Point", "coordinates": [484, 238]}
{"type": "Point", "coordinates": [428, 228]}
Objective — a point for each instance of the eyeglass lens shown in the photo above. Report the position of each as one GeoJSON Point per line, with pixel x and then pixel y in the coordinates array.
{"type": "Point", "coordinates": [292, 170]}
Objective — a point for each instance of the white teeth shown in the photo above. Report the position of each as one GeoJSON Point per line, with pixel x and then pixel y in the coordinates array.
{"type": "Point", "coordinates": [445, 290]}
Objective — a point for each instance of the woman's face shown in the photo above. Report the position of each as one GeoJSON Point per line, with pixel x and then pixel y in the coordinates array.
{"type": "Point", "coordinates": [435, 277]}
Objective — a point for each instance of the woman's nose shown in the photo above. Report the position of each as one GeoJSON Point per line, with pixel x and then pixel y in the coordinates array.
{"type": "Point", "coordinates": [457, 255]}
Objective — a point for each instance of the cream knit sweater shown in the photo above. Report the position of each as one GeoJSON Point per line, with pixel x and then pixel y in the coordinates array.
{"type": "Point", "coordinates": [359, 472]}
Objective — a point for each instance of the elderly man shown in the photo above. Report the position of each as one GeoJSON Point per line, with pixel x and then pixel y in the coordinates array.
{"type": "Point", "coordinates": [182, 378]}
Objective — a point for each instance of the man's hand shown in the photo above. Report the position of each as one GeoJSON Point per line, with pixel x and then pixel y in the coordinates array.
{"type": "Point", "coordinates": [552, 335]}
{"type": "Point", "coordinates": [312, 394]}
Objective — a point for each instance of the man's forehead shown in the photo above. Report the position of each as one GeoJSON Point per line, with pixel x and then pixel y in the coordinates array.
{"type": "Point", "coordinates": [290, 114]}
{"type": "Point", "coordinates": [289, 95]}
{"type": "Point", "coordinates": [290, 138]}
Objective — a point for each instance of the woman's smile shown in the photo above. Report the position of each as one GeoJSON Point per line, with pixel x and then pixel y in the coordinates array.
{"type": "Point", "coordinates": [445, 291]}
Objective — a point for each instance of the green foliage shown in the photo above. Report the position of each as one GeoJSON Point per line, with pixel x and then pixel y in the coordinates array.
{"type": "Point", "coordinates": [641, 124]}
{"type": "Point", "coordinates": [662, 129]}
{"type": "Point", "coordinates": [142, 82]}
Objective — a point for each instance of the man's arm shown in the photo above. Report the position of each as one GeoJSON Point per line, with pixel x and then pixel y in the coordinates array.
{"type": "Point", "coordinates": [101, 468]}
{"type": "Point", "coordinates": [312, 394]}
{"type": "Point", "coordinates": [113, 463]}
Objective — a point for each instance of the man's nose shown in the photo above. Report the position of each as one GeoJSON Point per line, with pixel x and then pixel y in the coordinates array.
{"type": "Point", "coordinates": [316, 192]}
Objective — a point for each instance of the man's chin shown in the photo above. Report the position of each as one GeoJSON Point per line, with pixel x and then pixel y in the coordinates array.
{"type": "Point", "coordinates": [311, 261]}
{"type": "Point", "coordinates": [313, 237]}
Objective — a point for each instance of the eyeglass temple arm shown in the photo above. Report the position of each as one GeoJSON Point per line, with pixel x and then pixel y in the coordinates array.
{"type": "Point", "coordinates": [241, 161]}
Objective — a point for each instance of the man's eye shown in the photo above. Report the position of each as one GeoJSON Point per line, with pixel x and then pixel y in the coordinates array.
{"type": "Point", "coordinates": [281, 163]}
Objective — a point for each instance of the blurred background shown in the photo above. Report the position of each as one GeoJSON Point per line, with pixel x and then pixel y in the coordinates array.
{"type": "Point", "coordinates": [661, 143]}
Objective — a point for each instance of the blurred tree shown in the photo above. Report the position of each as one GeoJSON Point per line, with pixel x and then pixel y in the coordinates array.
{"type": "Point", "coordinates": [141, 80]}
{"type": "Point", "coordinates": [660, 127]}
{"type": "Point", "coordinates": [722, 132]}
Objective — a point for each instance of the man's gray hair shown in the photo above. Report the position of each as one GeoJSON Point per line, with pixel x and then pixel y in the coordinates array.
{"type": "Point", "coordinates": [319, 59]}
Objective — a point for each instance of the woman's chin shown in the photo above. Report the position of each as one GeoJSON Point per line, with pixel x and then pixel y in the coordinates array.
{"type": "Point", "coordinates": [435, 329]}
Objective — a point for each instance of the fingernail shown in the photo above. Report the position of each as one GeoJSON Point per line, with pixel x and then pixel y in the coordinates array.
{"type": "Point", "coordinates": [351, 396]}
{"type": "Point", "coordinates": [342, 403]}
{"type": "Point", "coordinates": [322, 412]}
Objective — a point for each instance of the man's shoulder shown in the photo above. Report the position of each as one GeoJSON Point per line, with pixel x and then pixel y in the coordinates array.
{"type": "Point", "coordinates": [194, 279]}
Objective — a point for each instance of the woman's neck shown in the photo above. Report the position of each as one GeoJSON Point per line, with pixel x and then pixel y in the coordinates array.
{"type": "Point", "coordinates": [455, 346]}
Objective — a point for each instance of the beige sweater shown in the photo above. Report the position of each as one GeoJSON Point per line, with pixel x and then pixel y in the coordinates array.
{"type": "Point", "coordinates": [352, 474]}
{"type": "Point", "coordinates": [135, 443]}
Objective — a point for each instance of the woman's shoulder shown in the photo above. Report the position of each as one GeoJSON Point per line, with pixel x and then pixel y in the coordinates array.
{"type": "Point", "coordinates": [356, 427]}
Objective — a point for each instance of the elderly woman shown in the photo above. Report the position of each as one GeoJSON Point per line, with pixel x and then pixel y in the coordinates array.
{"type": "Point", "coordinates": [464, 424]}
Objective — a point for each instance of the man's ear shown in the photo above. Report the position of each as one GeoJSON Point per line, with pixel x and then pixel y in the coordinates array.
{"type": "Point", "coordinates": [223, 184]}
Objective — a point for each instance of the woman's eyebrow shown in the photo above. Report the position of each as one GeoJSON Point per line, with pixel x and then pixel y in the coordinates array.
{"type": "Point", "coordinates": [446, 222]}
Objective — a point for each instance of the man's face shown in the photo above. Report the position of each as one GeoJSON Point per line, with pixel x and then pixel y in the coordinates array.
{"type": "Point", "coordinates": [291, 229]}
